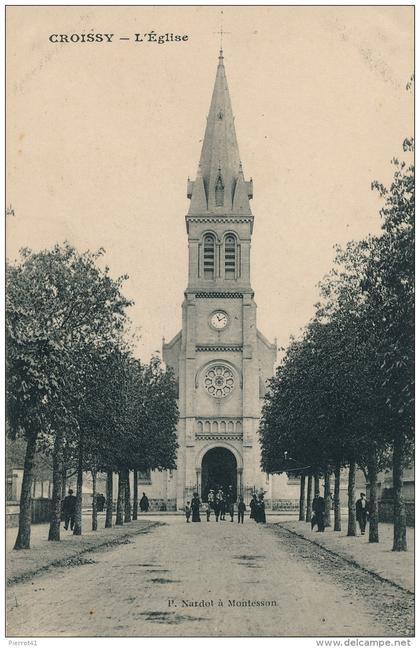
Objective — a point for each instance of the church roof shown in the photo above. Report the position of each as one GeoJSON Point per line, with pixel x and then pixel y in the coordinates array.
{"type": "Point", "coordinates": [220, 187]}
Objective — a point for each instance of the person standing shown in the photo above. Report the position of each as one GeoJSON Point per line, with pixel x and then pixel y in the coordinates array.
{"type": "Point", "coordinates": [100, 502]}
{"type": "Point", "coordinates": [260, 509]}
{"type": "Point", "coordinates": [318, 507]}
{"type": "Point", "coordinates": [216, 508]}
{"type": "Point", "coordinates": [223, 508]}
{"type": "Point", "coordinates": [207, 510]}
{"type": "Point", "coordinates": [144, 503]}
{"type": "Point", "coordinates": [362, 512]}
{"type": "Point", "coordinates": [230, 503]}
{"type": "Point", "coordinates": [314, 520]}
{"type": "Point", "coordinates": [253, 506]}
{"type": "Point", "coordinates": [69, 509]}
{"type": "Point", "coordinates": [187, 512]}
{"type": "Point", "coordinates": [241, 509]}
{"type": "Point", "coordinates": [195, 508]}
{"type": "Point", "coordinates": [220, 497]}
{"type": "Point", "coordinates": [210, 498]}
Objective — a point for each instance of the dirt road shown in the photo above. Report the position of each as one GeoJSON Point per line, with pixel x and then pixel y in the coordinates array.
{"type": "Point", "coordinates": [203, 579]}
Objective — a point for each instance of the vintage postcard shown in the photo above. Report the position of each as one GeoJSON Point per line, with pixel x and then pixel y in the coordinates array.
{"type": "Point", "coordinates": [181, 463]}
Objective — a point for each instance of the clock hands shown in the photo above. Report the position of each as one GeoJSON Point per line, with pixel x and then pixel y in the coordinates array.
{"type": "Point", "coordinates": [219, 320]}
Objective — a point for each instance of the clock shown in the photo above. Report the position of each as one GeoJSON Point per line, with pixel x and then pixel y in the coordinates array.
{"type": "Point", "coordinates": [219, 320]}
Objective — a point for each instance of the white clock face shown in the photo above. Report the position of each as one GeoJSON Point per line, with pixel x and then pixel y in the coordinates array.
{"type": "Point", "coordinates": [219, 320]}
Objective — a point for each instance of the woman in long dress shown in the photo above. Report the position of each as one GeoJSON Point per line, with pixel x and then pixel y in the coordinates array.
{"type": "Point", "coordinates": [260, 510]}
{"type": "Point", "coordinates": [253, 506]}
{"type": "Point", "coordinates": [195, 508]}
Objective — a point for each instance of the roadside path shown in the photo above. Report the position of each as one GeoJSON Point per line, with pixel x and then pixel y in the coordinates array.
{"type": "Point", "coordinates": [169, 580]}
{"type": "Point", "coordinates": [395, 566]}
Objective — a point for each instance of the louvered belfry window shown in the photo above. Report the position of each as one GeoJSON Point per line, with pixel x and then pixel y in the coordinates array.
{"type": "Point", "coordinates": [230, 257]}
{"type": "Point", "coordinates": [220, 192]}
{"type": "Point", "coordinates": [209, 256]}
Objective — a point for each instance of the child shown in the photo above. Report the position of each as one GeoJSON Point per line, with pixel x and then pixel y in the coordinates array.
{"type": "Point", "coordinates": [206, 507]}
{"type": "Point", "coordinates": [241, 509]}
{"type": "Point", "coordinates": [188, 511]}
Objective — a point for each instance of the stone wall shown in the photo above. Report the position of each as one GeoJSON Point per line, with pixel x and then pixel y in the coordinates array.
{"type": "Point", "coordinates": [159, 504]}
{"type": "Point", "coordinates": [282, 504]}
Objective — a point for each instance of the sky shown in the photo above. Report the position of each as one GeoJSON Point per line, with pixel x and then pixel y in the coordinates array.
{"type": "Point", "coordinates": [101, 138]}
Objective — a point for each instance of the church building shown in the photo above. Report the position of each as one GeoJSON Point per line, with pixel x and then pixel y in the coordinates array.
{"type": "Point", "coordinates": [220, 359]}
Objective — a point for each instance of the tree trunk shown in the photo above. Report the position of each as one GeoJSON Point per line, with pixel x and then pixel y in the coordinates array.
{"type": "Point", "coordinates": [55, 520]}
{"type": "Point", "coordinates": [337, 508]}
{"type": "Point", "coordinates": [63, 482]}
{"type": "Point", "coordinates": [373, 502]}
{"type": "Point", "coordinates": [309, 499]}
{"type": "Point", "coordinates": [400, 533]}
{"type": "Point", "coordinates": [23, 540]}
{"type": "Point", "coordinates": [316, 487]}
{"type": "Point", "coordinates": [119, 521]}
{"type": "Point", "coordinates": [327, 498]}
{"type": "Point", "coordinates": [135, 495]}
{"type": "Point", "coordinates": [351, 525]}
{"type": "Point", "coordinates": [127, 499]}
{"type": "Point", "coordinates": [77, 530]}
{"type": "Point", "coordinates": [94, 501]}
{"type": "Point", "coordinates": [302, 499]}
{"type": "Point", "coordinates": [109, 499]}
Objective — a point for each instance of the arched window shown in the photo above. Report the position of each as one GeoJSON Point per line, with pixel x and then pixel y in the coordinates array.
{"type": "Point", "coordinates": [220, 191]}
{"type": "Point", "coordinates": [230, 257]}
{"type": "Point", "coordinates": [209, 256]}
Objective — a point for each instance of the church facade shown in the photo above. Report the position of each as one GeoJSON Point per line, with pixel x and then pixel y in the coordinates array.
{"type": "Point", "coordinates": [220, 359]}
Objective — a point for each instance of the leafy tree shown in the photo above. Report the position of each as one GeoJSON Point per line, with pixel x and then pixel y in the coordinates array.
{"type": "Point", "coordinates": [389, 285]}
{"type": "Point", "coordinates": [59, 303]}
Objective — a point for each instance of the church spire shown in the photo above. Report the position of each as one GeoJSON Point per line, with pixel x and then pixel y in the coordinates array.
{"type": "Point", "coordinates": [220, 167]}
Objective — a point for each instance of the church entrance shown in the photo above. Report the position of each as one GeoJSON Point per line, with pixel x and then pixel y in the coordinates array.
{"type": "Point", "coordinates": [218, 470]}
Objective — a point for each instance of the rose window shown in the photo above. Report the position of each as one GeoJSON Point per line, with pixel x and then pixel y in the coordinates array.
{"type": "Point", "coordinates": [219, 381]}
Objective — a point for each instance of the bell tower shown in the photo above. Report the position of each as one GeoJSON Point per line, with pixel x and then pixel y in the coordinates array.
{"type": "Point", "coordinates": [220, 359]}
{"type": "Point", "coordinates": [219, 220]}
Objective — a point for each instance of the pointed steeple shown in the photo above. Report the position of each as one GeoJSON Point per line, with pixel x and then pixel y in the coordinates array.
{"type": "Point", "coordinates": [220, 169]}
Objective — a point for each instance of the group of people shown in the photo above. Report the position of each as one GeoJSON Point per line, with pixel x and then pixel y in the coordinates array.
{"type": "Point", "coordinates": [68, 507]}
{"type": "Point", "coordinates": [318, 513]}
{"type": "Point", "coordinates": [222, 503]}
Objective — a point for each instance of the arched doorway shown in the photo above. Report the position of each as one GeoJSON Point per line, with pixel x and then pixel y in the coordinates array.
{"type": "Point", "coordinates": [218, 469]}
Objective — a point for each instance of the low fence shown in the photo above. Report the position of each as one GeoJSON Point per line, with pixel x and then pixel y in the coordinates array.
{"type": "Point", "coordinates": [386, 511]}
{"type": "Point", "coordinates": [40, 512]}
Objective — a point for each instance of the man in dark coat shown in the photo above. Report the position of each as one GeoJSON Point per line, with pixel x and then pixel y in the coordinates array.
{"type": "Point", "coordinates": [216, 508]}
{"type": "Point", "coordinates": [69, 510]}
{"type": "Point", "coordinates": [144, 503]}
{"type": "Point", "coordinates": [362, 512]}
{"type": "Point", "coordinates": [241, 509]}
{"type": "Point", "coordinates": [318, 507]}
{"type": "Point", "coordinates": [100, 502]}
{"type": "Point", "coordinates": [222, 502]}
